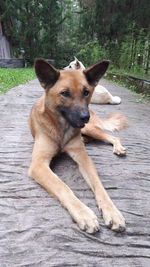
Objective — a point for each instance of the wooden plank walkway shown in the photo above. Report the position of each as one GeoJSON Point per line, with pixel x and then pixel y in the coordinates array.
{"type": "Point", "coordinates": [35, 230]}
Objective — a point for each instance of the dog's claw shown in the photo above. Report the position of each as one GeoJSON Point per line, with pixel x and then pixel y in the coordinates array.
{"type": "Point", "coordinates": [109, 225]}
{"type": "Point", "coordinates": [85, 227]}
{"type": "Point", "coordinates": [96, 229]}
{"type": "Point", "coordinates": [86, 220]}
{"type": "Point", "coordinates": [114, 219]}
{"type": "Point", "coordinates": [119, 229]}
{"type": "Point", "coordinates": [119, 150]}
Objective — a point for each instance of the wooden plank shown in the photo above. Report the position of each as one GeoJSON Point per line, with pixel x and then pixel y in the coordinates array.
{"type": "Point", "coordinates": [35, 230]}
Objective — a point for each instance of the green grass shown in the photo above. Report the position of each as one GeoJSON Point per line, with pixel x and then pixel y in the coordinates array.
{"type": "Point", "coordinates": [13, 77]}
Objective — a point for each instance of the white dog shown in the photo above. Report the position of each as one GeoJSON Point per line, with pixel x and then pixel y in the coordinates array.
{"type": "Point", "coordinates": [101, 95]}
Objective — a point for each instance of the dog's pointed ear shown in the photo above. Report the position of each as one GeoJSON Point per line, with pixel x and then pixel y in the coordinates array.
{"type": "Point", "coordinates": [95, 72]}
{"type": "Point", "coordinates": [75, 59]}
{"type": "Point", "coordinates": [46, 73]}
{"type": "Point", "coordinates": [77, 63]}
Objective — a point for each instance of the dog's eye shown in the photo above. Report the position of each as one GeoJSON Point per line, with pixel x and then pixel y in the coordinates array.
{"type": "Point", "coordinates": [69, 67]}
{"type": "Point", "coordinates": [65, 93]}
{"type": "Point", "coordinates": [86, 92]}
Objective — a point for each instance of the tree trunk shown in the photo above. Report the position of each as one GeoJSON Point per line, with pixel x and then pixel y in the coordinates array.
{"type": "Point", "coordinates": [5, 51]}
{"type": "Point", "coordinates": [148, 59]}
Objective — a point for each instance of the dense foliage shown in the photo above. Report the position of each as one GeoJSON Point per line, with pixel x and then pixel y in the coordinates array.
{"type": "Point", "coordinates": [88, 29]}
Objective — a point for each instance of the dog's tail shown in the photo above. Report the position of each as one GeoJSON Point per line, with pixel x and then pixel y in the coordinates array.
{"type": "Point", "coordinates": [115, 122]}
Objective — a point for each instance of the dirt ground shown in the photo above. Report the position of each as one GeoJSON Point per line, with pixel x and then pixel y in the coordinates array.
{"type": "Point", "coordinates": [35, 230]}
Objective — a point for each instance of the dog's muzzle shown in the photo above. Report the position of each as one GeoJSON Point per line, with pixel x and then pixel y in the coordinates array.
{"type": "Point", "coordinates": [84, 116]}
{"type": "Point", "coordinates": [76, 116]}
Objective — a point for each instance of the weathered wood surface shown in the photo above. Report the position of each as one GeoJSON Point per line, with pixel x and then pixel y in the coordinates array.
{"type": "Point", "coordinates": [35, 230]}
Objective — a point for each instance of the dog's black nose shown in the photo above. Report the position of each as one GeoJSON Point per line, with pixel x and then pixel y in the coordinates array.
{"type": "Point", "coordinates": [84, 116]}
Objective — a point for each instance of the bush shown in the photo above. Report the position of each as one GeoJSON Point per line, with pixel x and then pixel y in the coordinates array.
{"type": "Point", "coordinates": [91, 53]}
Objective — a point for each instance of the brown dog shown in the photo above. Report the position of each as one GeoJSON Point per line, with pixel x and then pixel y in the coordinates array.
{"type": "Point", "coordinates": [57, 121]}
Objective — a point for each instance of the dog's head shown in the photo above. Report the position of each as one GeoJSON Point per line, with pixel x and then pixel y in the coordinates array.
{"type": "Point", "coordinates": [68, 92]}
{"type": "Point", "coordinates": [75, 65]}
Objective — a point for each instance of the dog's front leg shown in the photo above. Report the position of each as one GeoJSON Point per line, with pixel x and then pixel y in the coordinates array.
{"type": "Point", "coordinates": [112, 216]}
{"type": "Point", "coordinates": [43, 152]}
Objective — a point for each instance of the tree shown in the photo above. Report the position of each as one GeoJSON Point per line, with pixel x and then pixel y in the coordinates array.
{"type": "Point", "coordinates": [33, 26]}
{"type": "Point", "coordinates": [91, 29]}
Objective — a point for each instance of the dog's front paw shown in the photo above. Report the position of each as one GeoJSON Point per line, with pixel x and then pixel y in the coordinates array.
{"type": "Point", "coordinates": [86, 219]}
{"type": "Point", "coordinates": [114, 219]}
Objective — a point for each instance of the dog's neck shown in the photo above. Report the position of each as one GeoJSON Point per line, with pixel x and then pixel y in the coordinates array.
{"type": "Point", "coordinates": [67, 131]}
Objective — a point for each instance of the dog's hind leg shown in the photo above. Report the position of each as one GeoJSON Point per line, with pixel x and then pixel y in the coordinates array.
{"type": "Point", "coordinates": [93, 131]}
{"type": "Point", "coordinates": [44, 150]}
{"type": "Point", "coordinates": [102, 96]}
{"type": "Point", "coordinates": [112, 216]}
{"type": "Point", "coordinates": [96, 127]}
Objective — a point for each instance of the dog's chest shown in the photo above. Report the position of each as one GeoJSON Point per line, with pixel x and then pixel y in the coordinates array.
{"type": "Point", "coordinates": [67, 132]}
